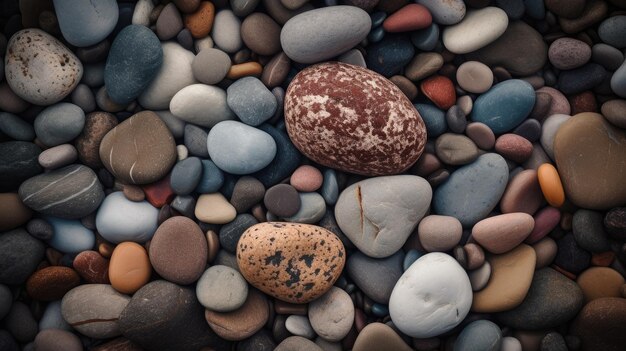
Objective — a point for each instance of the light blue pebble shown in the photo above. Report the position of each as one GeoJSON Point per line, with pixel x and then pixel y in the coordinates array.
{"type": "Point", "coordinates": [434, 119]}
{"type": "Point", "coordinates": [312, 209]}
{"type": "Point", "coordinates": [52, 318]}
{"type": "Point", "coordinates": [85, 23]}
{"type": "Point", "coordinates": [251, 101]}
{"type": "Point", "coordinates": [330, 188]}
{"type": "Point", "coordinates": [212, 178]}
{"type": "Point", "coordinates": [70, 236]}
{"type": "Point", "coordinates": [410, 257]}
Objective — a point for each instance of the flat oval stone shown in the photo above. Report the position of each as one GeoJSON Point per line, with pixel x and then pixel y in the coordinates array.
{"type": "Point", "coordinates": [129, 268]}
{"type": "Point", "coordinates": [585, 139]}
{"type": "Point", "coordinates": [15, 127]}
{"type": "Point", "coordinates": [92, 267]}
{"type": "Point", "coordinates": [232, 156]}
{"type": "Point", "coordinates": [94, 310]}
{"type": "Point", "coordinates": [611, 29]}
{"type": "Point", "coordinates": [300, 326]}
{"type": "Point", "coordinates": [261, 34]}
{"type": "Point", "coordinates": [583, 78]}
{"type": "Point", "coordinates": [133, 61]}
{"type": "Point", "coordinates": [568, 53]}
{"type": "Point", "coordinates": [201, 104]}
{"type": "Point", "coordinates": [514, 147]}
{"type": "Point", "coordinates": [375, 277]}
{"type": "Point", "coordinates": [499, 234]}
{"type": "Point", "coordinates": [600, 282]}
{"type": "Point", "coordinates": [59, 123]}
{"type": "Point", "coordinates": [120, 219]}
{"type": "Point", "coordinates": [354, 137]}
{"type": "Point", "coordinates": [477, 29]}
{"type": "Point", "coordinates": [379, 336]}
{"type": "Point", "coordinates": [332, 314]}
{"type": "Point", "coordinates": [51, 283]}
{"type": "Point", "coordinates": [446, 12]}
{"type": "Point", "coordinates": [214, 208]}
{"type": "Point", "coordinates": [178, 250]}
{"type": "Point", "coordinates": [186, 175]}
{"type": "Point", "coordinates": [455, 149]}
{"type": "Point", "coordinates": [226, 31]}
{"type": "Point", "coordinates": [505, 105]}
{"type": "Point", "coordinates": [86, 23]}
{"type": "Point", "coordinates": [600, 324]}
{"type": "Point", "coordinates": [251, 101]}
{"type": "Point", "coordinates": [293, 262]}
{"type": "Point", "coordinates": [550, 183]}
{"type": "Point", "coordinates": [439, 233]}
{"type": "Point", "coordinates": [58, 156]}
{"type": "Point", "coordinates": [306, 178]}
{"type": "Point", "coordinates": [380, 231]}
{"type": "Point", "coordinates": [480, 183]}
{"type": "Point", "coordinates": [474, 77]}
{"type": "Point", "coordinates": [479, 335]}
{"type": "Point", "coordinates": [210, 66]}
{"type": "Point", "coordinates": [409, 18]}
{"type": "Point", "coordinates": [510, 279]}
{"type": "Point", "coordinates": [435, 285]}
{"type": "Point", "coordinates": [140, 150]}
{"type": "Point", "coordinates": [323, 33]}
{"type": "Point", "coordinates": [39, 68]}
{"type": "Point", "coordinates": [70, 236]}
{"type": "Point", "coordinates": [243, 322]}
{"type": "Point", "coordinates": [222, 289]}
{"type": "Point", "coordinates": [76, 193]}
{"type": "Point", "coordinates": [13, 213]}
{"type": "Point", "coordinates": [522, 194]}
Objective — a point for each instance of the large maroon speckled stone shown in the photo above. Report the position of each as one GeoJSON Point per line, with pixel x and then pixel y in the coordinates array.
{"type": "Point", "coordinates": [353, 119]}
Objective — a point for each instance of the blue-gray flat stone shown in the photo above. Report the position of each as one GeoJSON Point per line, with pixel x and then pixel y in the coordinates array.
{"type": "Point", "coordinates": [59, 123]}
{"type": "Point", "coordinates": [18, 162]}
{"type": "Point", "coordinates": [186, 175]}
{"type": "Point", "coordinates": [85, 23]}
{"type": "Point", "coordinates": [251, 101]}
{"type": "Point", "coordinates": [481, 335]}
{"type": "Point", "coordinates": [212, 178]}
{"type": "Point", "coordinates": [390, 55]}
{"type": "Point", "coordinates": [20, 253]}
{"type": "Point", "coordinates": [15, 127]}
{"type": "Point", "coordinates": [505, 105]}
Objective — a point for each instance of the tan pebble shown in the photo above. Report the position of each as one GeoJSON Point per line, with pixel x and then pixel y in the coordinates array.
{"type": "Point", "coordinates": [214, 209]}
{"type": "Point", "coordinates": [133, 193]}
{"type": "Point", "coordinates": [439, 233]}
{"type": "Point", "coordinates": [599, 282]}
{"type": "Point", "coordinates": [499, 234]}
{"type": "Point", "coordinates": [244, 70]}
{"type": "Point", "coordinates": [243, 322]}
{"type": "Point", "coordinates": [130, 267]}
{"type": "Point", "coordinates": [546, 250]}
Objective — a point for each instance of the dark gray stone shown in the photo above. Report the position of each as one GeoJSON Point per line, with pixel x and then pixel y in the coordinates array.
{"type": "Point", "coordinates": [15, 127]}
{"type": "Point", "coordinates": [251, 101]}
{"type": "Point", "coordinates": [186, 175]}
{"type": "Point", "coordinates": [195, 140]}
{"type": "Point", "coordinates": [18, 162]}
{"type": "Point", "coordinates": [375, 277]}
{"type": "Point", "coordinates": [21, 323]}
{"type": "Point", "coordinates": [20, 254]}
{"type": "Point", "coordinates": [211, 179]}
{"type": "Point", "coordinates": [231, 232]}
{"type": "Point", "coordinates": [589, 232]}
{"type": "Point", "coordinates": [390, 55]}
{"type": "Point", "coordinates": [6, 300]}
{"type": "Point", "coordinates": [248, 192]}
{"type": "Point", "coordinates": [570, 256]}
{"type": "Point", "coordinates": [553, 342]}
{"type": "Point", "coordinates": [481, 335]}
{"type": "Point", "coordinates": [286, 161]}
{"type": "Point", "coordinates": [261, 341]}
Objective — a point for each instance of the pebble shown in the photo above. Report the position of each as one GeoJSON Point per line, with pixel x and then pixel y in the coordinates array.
{"type": "Point", "coordinates": [86, 24]}
{"type": "Point", "coordinates": [610, 31]}
{"type": "Point", "coordinates": [169, 22]}
{"type": "Point", "coordinates": [513, 99]}
{"type": "Point", "coordinates": [375, 277]}
{"type": "Point", "coordinates": [546, 250]}
{"type": "Point", "coordinates": [613, 111]}
{"type": "Point", "coordinates": [331, 31]}
{"type": "Point", "coordinates": [243, 322]}
{"type": "Point", "coordinates": [58, 156]}
{"type": "Point", "coordinates": [568, 53]}
{"type": "Point", "coordinates": [285, 266]}
{"type": "Point", "coordinates": [548, 132]}
{"type": "Point", "coordinates": [423, 65]}
{"type": "Point", "coordinates": [21, 323]}
{"type": "Point", "coordinates": [248, 191]}
{"type": "Point", "coordinates": [227, 31]}
{"type": "Point", "coordinates": [481, 135]}
{"type": "Point", "coordinates": [251, 101]}
{"type": "Point", "coordinates": [299, 326]}
{"type": "Point", "coordinates": [439, 90]}
{"type": "Point", "coordinates": [276, 70]}
{"type": "Point", "coordinates": [379, 336]}
{"type": "Point", "coordinates": [55, 339]}
{"type": "Point", "coordinates": [409, 18]}
{"type": "Point", "coordinates": [381, 230]}
{"type": "Point", "coordinates": [522, 194]}
{"type": "Point", "coordinates": [332, 314]}
{"type": "Point", "coordinates": [434, 119]}
{"type": "Point", "coordinates": [15, 127]}
{"type": "Point", "coordinates": [201, 104]}
{"type": "Point", "coordinates": [426, 39]}
{"type": "Point", "coordinates": [480, 276]}
{"type": "Point", "coordinates": [600, 324]}
{"type": "Point", "coordinates": [479, 335]}
{"type": "Point", "coordinates": [199, 21]}
{"type": "Point", "coordinates": [582, 78]}
{"type": "Point", "coordinates": [59, 123]}
{"type": "Point", "coordinates": [230, 233]}
{"type": "Point", "coordinates": [297, 343]}
{"type": "Point", "coordinates": [550, 184]}
{"type": "Point", "coordinates": [606, 55]}
{"type": "Point", "coordinates": [261, 34]}
{"type": "Point", "coordinates": [92, 267]}
{"type": "Point", "coordinates": [51, 283]}
{"type": "Point", "coordinates": [221, 289]}
{"type": "Point", "coordinates": [119, 219]}
{"type": "Point", "coordinates": [13, 213]}
{"type": "Point", "coordinates": [455, 149]}
{"type": "Point", "coordinates": [129, 268]}
{"type": "Point", "coordinates": [97, 125]}
{"type": "Point", "coordinates": [70, 236]}
{"type": "Point", "coordinates": [570, 256]}
{"type": "Point", "coordinates": [589, 232]}
{"type": "Point", "coordinates": [477, 29]}
{"type": "Point", "coordinates": [18, 162]}
{"type": "Point", "coordinates": [51, 70]}
{"type": "Point", "coordinates": [439, 233]}
{"type": "Point", "coordinates": [474, 77]}
{"type": "Point", "coordinates": [306, 178]}
{"type": "Point", "coordinates": [186, 175]}
{"type": "Point", "coordinates": [514, 147]}
{"type": "Point", "coordinates": [210, 66]}
{"type": "Point", "coordinates": [502, 233]}
{"type": "Point", "coordinates": [213, 208]}
{"type": "Point", "coordinates": [617, 81]}
{"type": "Point", "coordinates": [282, 200]}
{"type": "Point", "coordinates": [389, 55]}
{"type": "Point", "coordinates": [600, 282]}
{"type": "Point", "coordinates": [52, 318]}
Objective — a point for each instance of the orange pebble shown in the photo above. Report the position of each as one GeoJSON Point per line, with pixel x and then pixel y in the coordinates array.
{"type": "Point", "coordinates": [440, 90]}
{"type": "Point", "coordinates": [200, 22]}
{"type": "Point", "coordinates": [551, 185]}
{"type": "Point", "coordinates": [602, 259]}
{"type": "Point", "coordinates": [244, 69]}
{"type": "Point", "coordinates": [129, 268]}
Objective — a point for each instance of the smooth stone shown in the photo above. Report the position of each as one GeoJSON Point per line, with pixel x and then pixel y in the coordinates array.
{"type": "Point", "coordinates": [140, 150]}
{"type": "Point", "coordinates": [199, 21]}
{"type": "Point", "coordinates": [20, 254]}
{"type": "Point", "coordinates": [186, 175]}
{"type": "Point", "coordinates": [77, 192]}
{"type": "Point", "coordinates": [163, 315]}
{"type": "Point", "coordinates": [70, 236]}
{"type": "Point", "coordinates": [514, 99]}
{"type": "Point", "coordinates": [59, 123]}
{"type": "Point", "coordinates": [299, 326]}
{"type": "Point", "coordinates": [589, 232]}
{"type": "Point", "coordinates": [422, 65]}
{"type": "Point", "coordinates": [388, 56]}
{"type": "Point", "coordinates": [448, 296]}
{"type": "Point", "coordinates": [474, 77]}
{"type": "Point", "coordinates": [380, 230]}
{"type": "Point", "coordinates": [445, 13]}
{"type": "Point", "coordinates": [530, 129]}
{"type": "Point", "coordinates": [323, 33]}
{"type": "Point", "coordinates": [226, 32]}
{"type": "Point", "coordinates": [477, 29]}
{"type": "Point", "coordinates": [213, 208]}
{"type": "Point", "coordinates": [552, 300]}
{"type": "Point", "coordinates": [439, 90]}
{"type": "Point", "coordinates": [261, 341]}
{"type": "Point", "coordinates": [287, 158]}
{"type": "Point", "coordinates": [600, 324]}
{"type": "Point", "coordinates": [53, 318]}
{"type": "Point", "coordinates": [570, 256]}
{"type": "Point", "coordinates": [611, 30]}
{"type": "Point", "coordinates": [97, 125]}
{"type": "Point", "coordinates": [261, 34]}
{"type": "Point", "coordinates": [141, 14]}
{"type": "Point", "coordinates": [175, 73]}
{"type": "Point", "coordinates": [55, 339]}
{"type": "Point", "coordinates": [6, 300]}
{"type": "Point", "coordinates": [580, 138]}
{"type": "Point", "coordinates": [481, 183]}
{"type": "Point", "coordinates": [41, 70]}
{"type": "Point", "coordinates": [201, 104]}
{"type": "Point", "coordinates": [221, 289]}
{"type": "Point", "coordinates": [276, 70]}
{"type": "Point", "coordinates": [230, 155]}
{"type": "Point", "coordinates": [426, 39]}
{"type": "Point", "coordinates": [58, 156]}
{"type": "Point", "coordinates": [134, 59]}
{"type": "Point", "coordinates": [86, 24]}
{"type": "Point", "coordinates": [618, 81]}
{"type": "Point", "coordinates": [439, 233]}
{"type": "Point", "coordinates": [502, 233]}
{"type": "Point", "coordinates": [522, 194]}
{"type": "Point", "coordinates": [607, 56]}
{"type": "Point", "coordinates": [615, 112]}
{"type": "Point", "coordinates": [13, 213]}
{"type": "Point", "coordinates": [509, 281]}
{"type": "Point", "coordinates": [84, 98]}
{"type": "Point", "coordinates": [243, 322]}
{"type": "Point", "coordinates": [129, 268]}
{"type": "Point", "coordinates": [312, 209]}
{"type": "Point", "coordinates": [481, 134]}
{"type": "Point", "coordinates": [194, 138]}
{"type": "Point", "coordinates": [248, 191]}
{"type": "Point", "coordinates": [230, 233]}
{"type": "Point", "coordinates": [375, 277]}
{"type": "Point", "coordinates": [21, 323]}
{"type": "Point", "coordinates": [568, 53]}
{"type": "Point", "coordinates": [332, 315]}
{"type": "Point", "coordinates": [94, 310]}
{"type": "Point", "coordinates": [455, 149]}
{"type": "Point", "coordinates": [353, 57]}
{"type": "Point", "coordinates": [51, 283]}
{"type": "Point", "coordinates": [558, 102]}
{"type": "Point", "coordinates": [285, 266]}
{"type": "Point", "coordinates": [297, 343]}
{"type": "Point", "coordinates": [243, 8]}
{"type": "Point", "coordinates": [306, 178]}
{"type": "Point", "coordinates": [379, 336]}
{"type": "Point", "coordinates": [548, 132]}
{"type": "Point", "coordinates": [479, 335]}
{"type": "Point", "coordinates": [251, 101]}
{"type": "Point", "coordinates": [178, 250]}
{"type": "Point", "coordinates": [92, 267]}
{"type": "Point", "coordinates": [120, 219]}
{"type": "Point", "coordinates": [546, 250]}
{"type": "Point", "coordinates": [600, 282]}
{"type": "Point", "coordinates": [479, 277]}
{"type": "Point", "coordinates": [475, 255]}
{"type": "Point", "coordinates": [210, 66]}
{"type": "Point", "coordinates": [434, 119]}
{"type": "Point", "coordinates": [15, 127]}
{"type": "Point", "coordinates": [169, 23]}
{"type": "Point", "coordinates": [582, 78]}
{"type": "Point", "coordinates": [408, 88]}
{"type": "Point", "coordinates": [409, 18]}
{"type": "Point", "coordinates": [282, 200]}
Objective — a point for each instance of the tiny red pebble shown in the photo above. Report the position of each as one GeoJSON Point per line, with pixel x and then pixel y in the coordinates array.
{"type": "Point", "coordinates": [410, 17]}
{"type": "Point", "coordinates": [440, 90]}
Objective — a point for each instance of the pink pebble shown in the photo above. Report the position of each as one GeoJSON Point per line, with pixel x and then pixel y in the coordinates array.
{"type": "Point", "coordinates": [545, 220]}
{"type": "Point", "coordinates": [306, 178]}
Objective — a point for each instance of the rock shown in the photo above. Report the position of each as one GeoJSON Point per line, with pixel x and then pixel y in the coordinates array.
{"type": "Point", "coordinates": [551, 301]}
{"type": "Point", "coordinates": [86, 24]}
{"type": "Point", "coordinates": [214, 208]}
{"type": "Point", "coordinates": [15, 127]}
{"type": "Point", "coordinates": [200, 104]}
{"type": "Point", "coordinates": [261, 341]}
{"type": "Point", "coordinates": [178, 250]}
{"type": "Point", "coordinates": [94, 310]}
{"type": "Point", "coordinates": [92, 267]}
{"type": "Point", "coordinates": [226, 31]}
{"type": "Point", "coordinates": [474, 77]}
{"type": "Point", "coordinates": [21, 323]}
{"type": "Point", "coordinates": [56, 339]}
{"type": "Point", "coordinates": [299, 326]}
{"type": "Point", "coordinates": [514, 147]}
{"type": "Point", "coordinates": [18, 162]}
{"type": "Point", "coordinates": [581, 137]}
{"type": "Point", "coordinates": [134, 59]}
{"type": "Point", "coordinates": [568, 53]}
{"type": "Point", "coordinates": [550, 183]}
{"type": "Point", "coordinates": [297, 343]}
{"type": "Point", "coordinates": [130, 267]}
{"type": "Point", "coordinates": [332, 314]}
{"type": "Point", "coordinates": [546, 250]}
{"type": "Point", "coordinates": [509, 281]}
{"type": "Point", "coordinates": [522, 194]}
{"type": "Point", "coordinates": [434, 285]}
{"type": "Point", "coordinates": [306, 179]}
{"type": "Point", "coordinates": [140, 150]}
{"type": "Point", "coordinates": [175, 73]}
{"type": "Point", "coordinates": [243, 322]}
{"type": "Point", "coordinates": [261, 34]}
{"type": "Point", "coordinates": [481, 183]}
{"type": "Point", "coordinates": [210, 66]}
{"type": "Point", "coordinates": [439, 90]}
{"type": "Point", "coordinates": [287, 158]}
{"type": "Point", "coordinates": [97, 125]}
{"type": "Point", "coordinates": [200, 22]}
{"type": "Point", "coordinates": [221, 289]}
{"type": "Point", "coordinates": [589, 232]}
{"type": "Point", "coordinates": [600, 282]}
{"type": "Point", "coordinates": [513, 99]}
{"type": "Point", "coordinates": [51, 283]}
{"type": "Point", "coordinates": [409, 18]}
{"type": "Point", "coordinates": [120, 219]}
{"type": "Point", "coordinates": [323, 33]}
{"type": "Point", "coordinates": [163, 315]}
{"type": "Point", "coordinates": [13, 213]}
{"type": "Point", "coordinates": [379, 214]}
{"type": "Point", "coordinates": [610, 31]}
{"type": "Point", "coordinates": [76, 192]}
{"type": "Point", "coordinates": [282, 259]}
{"type": "Point", "coordinates": [70, 236]}
{"type": "Point", "coordinates": [169, 23]}
{"type": "Point", "coordinates": [248, 191]}
{"type": "Point", "coordinates": [570, 256]}
{"type": "Point", "coordinates": [480, 276]}
{"type": "Point", "coordinates": [230, 155]}
{"type": "Point", "coordinates": [446, 13]}
{"type": "Point", "coordinates": [375, 277]}
{"type": "Point", "coordinates": [59, 123]}
{"type": "Point", "coordinates": [455, 149]}
{"type": "Point", "coordinates": [39, 68]}
{"type": "Point", "coordinates": [370, 154]}
{"type": "Point", "coordinates": [251, 101]}
{"type": "Point", "coordinates": [282, 200]}
{"type": "Point", "coordinates": [186, 175]}
{"type": "Point", "coordinates": [388, 56]}
{"type": "Point", "coordinates": [58, 156]}
{"type": "Point", "coordinates": [617, 81]}
{"type": "Point", "coordinates": [580, 79]}
{"type": "Point", "coordinates": [503, 233]}
{"type": "Point", "coordinates": [378, 336]}
{"type": "Point", "coordinates": [477, 29]}
{"type": "Point", "coordinates": [600, 324]}
{"type": "Point", "coordinates": [439, 233]}
{"type": "Point", "coordinates": [614, 111]}
{"type": "Point", "coordinates": [479, 335]}
{"type": "Point", "coordinates": [52, 318]}
{"type": "Point", "coordinates": [20, 254]}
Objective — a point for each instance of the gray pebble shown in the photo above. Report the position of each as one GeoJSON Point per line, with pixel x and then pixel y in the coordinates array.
{"type": "Point", "coordinates": [195, 140]}
{"type": "Point", "coordinates": [83, 97]}
{"type": "Point", "coordinates": [222, 289]}
{"type": "Point", "coordinates": [21, 323]}
{"type": "Point", "coordinates": [15, 127]}
{"type": "Point", "coordinates": [186, 175]}
{"type": "Point", "coordinates": [251, 101]}
{"type": "Point", "coordinates": [59, 123]}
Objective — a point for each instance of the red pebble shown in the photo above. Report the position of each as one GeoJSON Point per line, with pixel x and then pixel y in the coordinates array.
{"type": "Point", "coordinates": [410, 17]}
{"type": "Point", "coordinates": [92, 267]}
{"type": "Point", "coordinates": [602, 259]}
{"type": "Point", "coordinates": [159, 193]}
{"type": "Point", "coordinates": [440, 90]}
{"type": "Point", "coordinates": [514, 147]}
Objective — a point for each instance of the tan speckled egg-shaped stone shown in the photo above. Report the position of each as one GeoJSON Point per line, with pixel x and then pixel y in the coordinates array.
{"type": "Point", "coordinates": [292, 262]}
{"type": "Point", "coordinates": [39, 68]}
{"type": "Point", "coordinates": [353, 119]}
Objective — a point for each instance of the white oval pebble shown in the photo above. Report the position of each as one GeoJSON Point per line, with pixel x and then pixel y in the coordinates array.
{"type": "Point", "coordinates": [478, 29]}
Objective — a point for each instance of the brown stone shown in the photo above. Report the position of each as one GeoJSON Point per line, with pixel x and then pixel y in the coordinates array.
{"type": "Point", "coordinates": [522, 194]}
{"type": "Point", "coordinates": [133, 193]}
{"type": "Point", "coordinates": [282, 307]}
{"type": "Point", "coordinates": [546, 250]}
{"type": "Point", "coordinates": [276, 70]}
{"type": "Point", "coordinates": [130, 267]}
{"type": "Point", "coordinates": [599, 282]}
{"type": "Point", "coordinates": [92, 267]}
{"type": "Point", "coordinates": [566, 8]}
{"type": "Point", "coordinates": [13, 212]}
{"type": "Point", "coordinates": [594, 12]}
{"type": "Point", "coordinates": [615, 112]}
{"type": "Point", "coordinates": [213, 245]}
{"type": "Point", "coordinates": [245, 69]}
{"type": "Point", "coordinates": [243, 322]}
{"type": "Point", "coordinates": [118, 344]}
{"type": "Point", "coordinates": [408, 88]}
{"type": "Point", "coordinates": [583, 102]}
{"type": "Point", "coordinates": [139, 150]}
{"type": "Point", "coordinates": [97, 125]}
{"type": "Point", "coordinates": [292, 262]}
{"type": "Point", "coordinates": [187, 6]}
{"type": "Point", "coordinates": [261, 34]}
{"type": "Point", "coordinates": [423, 65]}
{"type": "Point", "coordinates": [499, 234]}
{"type": "Point", "coordinates": [601, 325]}
{"type": "Point", "coordinates": [51, 283]}
{"type": "Point", "coordinates": [514, 147]}
{"type": "Point", "coordinates": [455, 149]}
{"type": "Point", "coordinates": [602, 259]}
{"type": "Point", "coordinates": [379, 336]}
{"type": "Point", "coordinates": [200, 22]}
{"type": "Point", "coordinates": [475, 256]}
{"type": "Point", "coordinates": [11, 102]}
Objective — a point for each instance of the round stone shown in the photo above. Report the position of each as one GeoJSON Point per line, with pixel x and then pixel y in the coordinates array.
{"type": "Point", "coordinates": [120, 219]}
{"type": "Point", "coordinates": [479, 335]}
{"type": "Point", "coordinates": [332, 314]}
{"type": "Point", "coordinates": [85, 24]}
{"type": "Point", "coordinates": [92, 267]}
{"type": "Point", "coordinates": [51, 283]}
{"type": "Point", "coordinates": [97, 125]}
{"type": "Point", "coordinates": [409, 18]}
{"type": "Point", "coordinates": [200, 18]}
{"type": "Point", "coordinates": [477, 29]}
{"type": "Point", "coordinates": [210, 66]}
{"type": "Point", "coordinates": [59, 123]}
{"type": "Point", "coordinates": [201, 104]}
{"type": "Point", "coordinates": [214, 208]}
{"type": "Point", "coordinates": [600, 324]}
{"type": "Point", "coordinates": [221, 289]}
{"type": "Point", "coordinates": [261, 34]}
{"type": "Point", "coordinates": [185, 175]}
{"type": "Point", "coordinates": [379, 336]}
{"type": "Point", "coordinates": [306, 178]}
{"type": "Point", "coordinates": [226, 31]}
{"type": "Point", "coordinates": [243, 322]}
{"type": "Point", "coordinates": [70, 236]}
{"type": "Point", "coordinates": [129, 268]}
{"type": "Point", "coordinates": [439, 233]}
{"type": "Point", "coordinates": [282, 200]}
{"type": "Point", "coordinates": [58, 156]}
{"type": "Point", "coordinates": [568, 53]}
{"type": "Point", "coordinates": [455, 149]}
{"type": "Point", "coordinates": [474, 77]}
